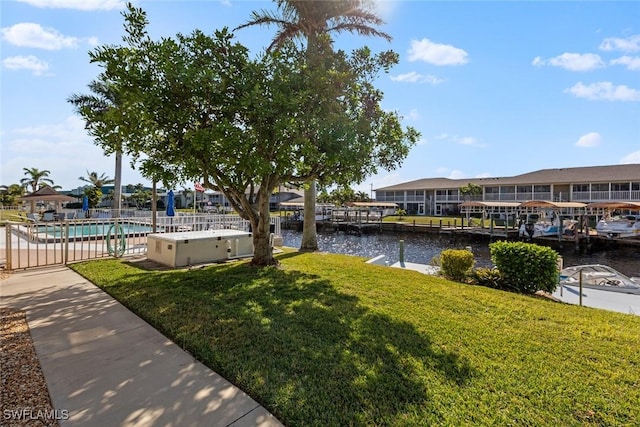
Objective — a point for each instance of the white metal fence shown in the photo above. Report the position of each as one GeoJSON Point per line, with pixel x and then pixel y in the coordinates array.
{"type": "Point", "coordinates": [61, 241]}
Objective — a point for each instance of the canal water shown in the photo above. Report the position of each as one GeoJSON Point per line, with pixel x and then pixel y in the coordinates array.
{"type": "Point", "coordinates": [422, 248]}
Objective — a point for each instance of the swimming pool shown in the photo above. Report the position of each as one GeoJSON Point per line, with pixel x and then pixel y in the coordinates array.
{"type": "Point", "coordinates": [88, 230]}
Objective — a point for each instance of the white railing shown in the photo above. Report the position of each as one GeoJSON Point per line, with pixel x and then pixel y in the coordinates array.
{"type": "Point", "coordinates": [38, 243]}
{"type": "Point", "coordinates": [605, 195]}
{"type": "Point", "coordinates": [448, 198]}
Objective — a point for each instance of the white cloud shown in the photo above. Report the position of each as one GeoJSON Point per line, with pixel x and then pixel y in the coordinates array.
{"type": "Point", "coordinates": [63, 148]}
{"type": "Point", "coordinates": [413, 77]}
{"type": "Point", "coordinates": [631, 158]}
{"type": "Point", "coordinates": [225, 3]}
{"type": "Point", "coordinates": [450, 173]}
{"type": "Point", "coordinates": [77, 4]}
{"type": "Point", "coordinates": [385, 8]}
{"type": "Point", "coordinates": [32, 63]}
{"type": "Point", "coordinates": [629, 44]}
{"type": "Point", "coordinates": [591, 139]}
{"type": "Point", "coordinates": [28, 34]}
{"type": "Point", "coordinates": [632, 62]}
{"type": "Point", "coordinates": [572, 61]}
{"type": "Point", "coordinates": [436, 54]}
{"type": "Point", "coordinates": [604, 91]}
{"type": "Point", "coordinates": [467, 140]}
{"type": "Point", "coordinates": [462, 140]}
{"type": "Point", "coordinates": [484, 175]}
{"type": "Point", "coordinates": [456, 174]}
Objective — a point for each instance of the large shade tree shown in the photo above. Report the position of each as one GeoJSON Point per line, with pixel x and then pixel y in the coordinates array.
{"type": "Point", "coordinates": [314, 21]}
{"type": "Point", "coordinates": [200, 109]}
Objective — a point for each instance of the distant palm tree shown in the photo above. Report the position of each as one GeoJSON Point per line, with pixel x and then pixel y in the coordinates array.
{"type": "Point", "coordinates": [35, 178]}
{"type": "Point", "coordinates": [313, 20]}
{"type": "Point", "coordinates": [95, 180]}
{"type": "Point", "coordinates": [100, 103]}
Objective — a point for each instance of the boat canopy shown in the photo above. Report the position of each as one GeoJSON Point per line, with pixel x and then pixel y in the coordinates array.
{"type": "Point", "coordinates": [548, 204]}
{"type": "Point", "coordinates": [615, 205]}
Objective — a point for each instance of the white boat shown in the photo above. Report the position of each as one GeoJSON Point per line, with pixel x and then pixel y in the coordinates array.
{"type": "Point", "coordinates": [546, 228]}
{"type": "Point", "coordinates": [620, 226]}
{"type": "Point", "coordinates": [598, 276]}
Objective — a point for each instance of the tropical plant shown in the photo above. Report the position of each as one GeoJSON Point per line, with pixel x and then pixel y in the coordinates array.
{"type": "Point", "coordinates": [95, 180]}
{"type": "Point", "coordinates": [35, 178]}
{"type": "Point", "coordinates": [10, 194]}
{"type": "Point", "coordinates": [314, 21]}
{"type": "Point", "coordinates": [101, 102]}
{"type": "Point", "coordinates": [362, 196]}
{"type": "Point", "coordinates": [470, 190]}
{"type": "Point", "coordinates": [94, 195]}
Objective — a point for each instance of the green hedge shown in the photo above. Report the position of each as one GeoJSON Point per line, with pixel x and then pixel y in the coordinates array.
{"type": "Point", "coordinates": [456, 264]}
{"type": "Point", "coordinates": [527, 267]}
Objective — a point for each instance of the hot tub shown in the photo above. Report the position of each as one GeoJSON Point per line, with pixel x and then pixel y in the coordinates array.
{"type": "Point", "coordinates": [196, 247]}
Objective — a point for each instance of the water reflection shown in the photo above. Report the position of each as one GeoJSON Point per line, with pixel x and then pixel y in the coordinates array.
{"type": "Point", "coordinates": [422, 248]}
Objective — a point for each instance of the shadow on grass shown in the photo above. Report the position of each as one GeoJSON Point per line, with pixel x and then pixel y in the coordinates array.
{"type": "Point", "coordinates": [308, 353]}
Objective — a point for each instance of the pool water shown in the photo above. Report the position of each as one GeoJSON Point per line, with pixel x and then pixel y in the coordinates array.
{"type": "Point", "coordinates": [91, 230]}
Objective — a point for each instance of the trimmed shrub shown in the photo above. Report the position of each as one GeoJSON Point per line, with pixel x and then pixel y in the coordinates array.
{"type": "Point", "coordinates": [456, 264]}
{"type": "Point", "coordinates": [489, 277]}
{"type": "Point", "coordinates": [526, 266]}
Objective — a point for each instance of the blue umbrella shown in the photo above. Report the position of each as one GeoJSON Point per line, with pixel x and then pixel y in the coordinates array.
{"type": "Point", "coordinates": [170, 204]}
{"type": "Point", "coordinates": [85, 203]}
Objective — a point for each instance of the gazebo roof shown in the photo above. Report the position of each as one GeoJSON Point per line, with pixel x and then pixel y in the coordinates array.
{"type": "Point", "coordinates": [47, 194]}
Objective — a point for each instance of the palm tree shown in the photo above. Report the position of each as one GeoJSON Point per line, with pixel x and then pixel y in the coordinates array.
{"type": "Point", "coordinates": [99, 104]}
{"type": "Point", "coordinates": [95, 180]}
{"type": "Point", "coordinates": [35, 178]}
{"type": "Point", "coordinates": [314, 21]}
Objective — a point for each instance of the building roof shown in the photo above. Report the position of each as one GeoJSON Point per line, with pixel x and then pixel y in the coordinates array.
{"type": "Point", "coordinates": [589, 174]}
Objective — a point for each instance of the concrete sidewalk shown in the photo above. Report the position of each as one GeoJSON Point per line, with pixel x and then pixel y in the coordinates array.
{"type": "Point", "coordinates": [107, 367]}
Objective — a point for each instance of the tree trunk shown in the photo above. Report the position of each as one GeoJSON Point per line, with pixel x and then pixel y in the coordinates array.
{"type": "Point", "coordinates": [154, 207]}
{"type": "Point", "coordinates": [117, 186]}
{"type": "Point", "coordinates": [260, 226]}
{"type": "Point", "coordinates": [309, 241]}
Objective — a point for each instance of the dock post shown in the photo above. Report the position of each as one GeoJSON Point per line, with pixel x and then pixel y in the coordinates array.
{"type": "Point", "coordinates": [401, 251]}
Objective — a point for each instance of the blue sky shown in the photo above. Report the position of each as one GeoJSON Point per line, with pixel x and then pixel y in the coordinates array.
{"type": "Point", "coordinates": [495, 88]}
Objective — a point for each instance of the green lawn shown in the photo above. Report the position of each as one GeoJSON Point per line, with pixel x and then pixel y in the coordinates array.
{"type": "Point", "coordinates": [328, 340]}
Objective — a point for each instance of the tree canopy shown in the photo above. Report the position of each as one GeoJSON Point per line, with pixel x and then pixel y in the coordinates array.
{"type": "Point", "coordinates": [315, 22]}
{"type": "Point", "coordinates": [198, 108]}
